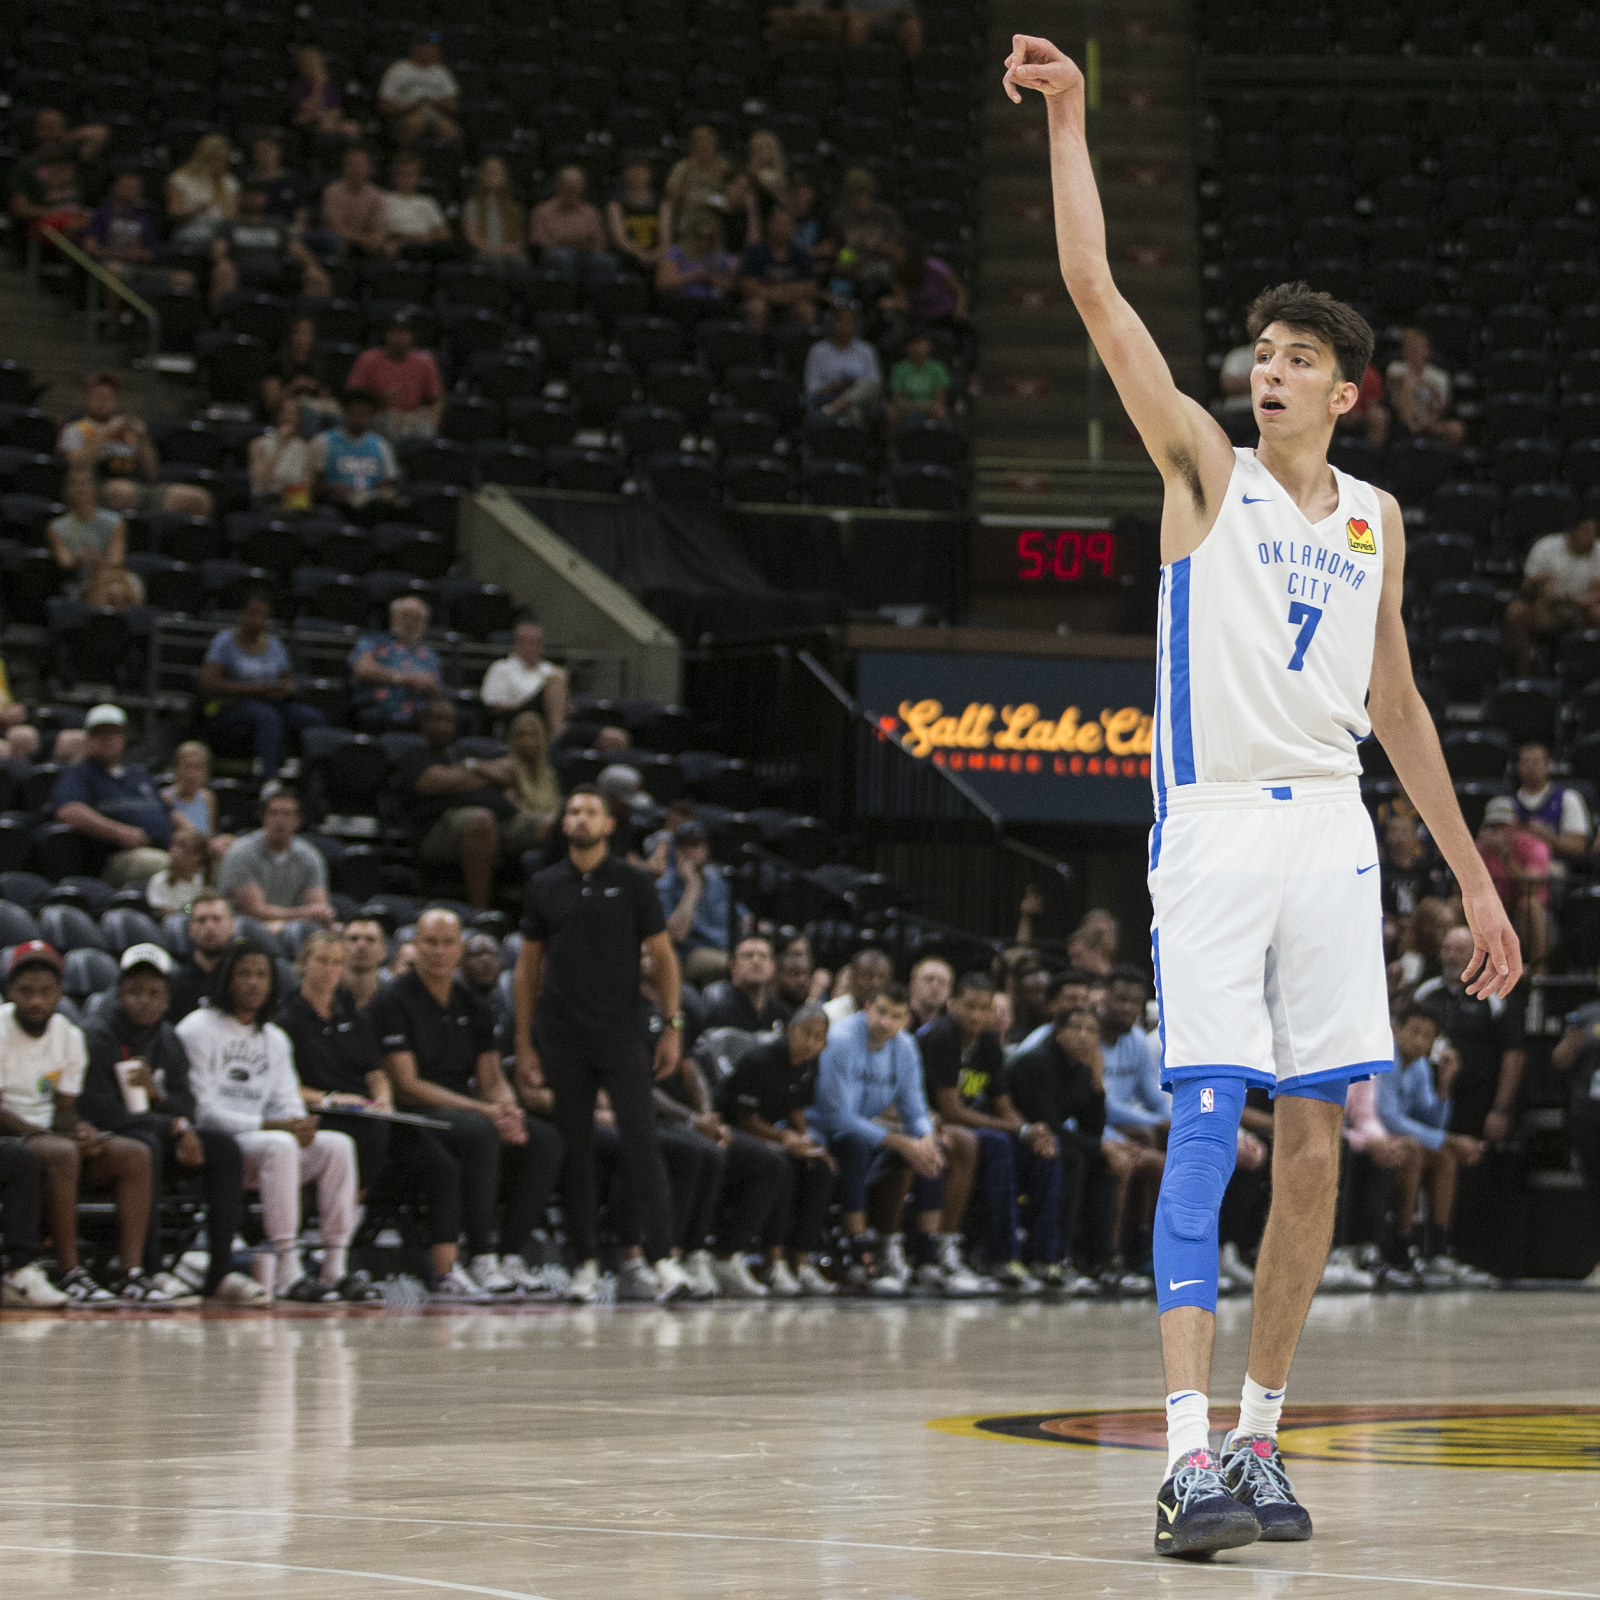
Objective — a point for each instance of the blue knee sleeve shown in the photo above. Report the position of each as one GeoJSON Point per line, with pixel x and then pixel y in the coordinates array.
{"type": "Point", "coordinates": [1201, 1150]}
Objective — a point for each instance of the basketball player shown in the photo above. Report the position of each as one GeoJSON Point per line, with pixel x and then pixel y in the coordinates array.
{"type": "Point", "coordinates": [1280, 647]}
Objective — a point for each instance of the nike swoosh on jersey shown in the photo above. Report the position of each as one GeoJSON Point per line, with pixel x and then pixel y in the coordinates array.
{"type": "Point", "coordinates": [1258, 500]}
{"type": "Point", "coordinates": [1361, 871]}
{"type": "Point", "coordinates": [1184, 1285]}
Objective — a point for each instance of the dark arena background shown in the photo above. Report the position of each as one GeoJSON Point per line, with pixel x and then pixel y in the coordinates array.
{"type": "Point", "coordinates": [413, 413]}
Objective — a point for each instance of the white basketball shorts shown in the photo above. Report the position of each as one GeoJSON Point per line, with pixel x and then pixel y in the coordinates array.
{"type": "Point", "coordinates": [1268, 935]}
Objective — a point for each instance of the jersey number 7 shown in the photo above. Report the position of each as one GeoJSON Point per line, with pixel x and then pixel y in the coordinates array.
{"type": "Point", "coordinates": [1307, 617]}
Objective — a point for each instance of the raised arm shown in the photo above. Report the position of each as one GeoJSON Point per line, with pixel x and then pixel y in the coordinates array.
{"type": "Point", "coordinates": [1184, 440]}
{"type": "Point", "coordinates": [1404, 727]}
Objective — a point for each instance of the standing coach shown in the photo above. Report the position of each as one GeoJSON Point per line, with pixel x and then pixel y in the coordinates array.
{"type": "Point", "coordinates": [579, 1031]}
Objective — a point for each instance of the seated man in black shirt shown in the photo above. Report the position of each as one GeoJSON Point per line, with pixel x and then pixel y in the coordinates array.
{"type": "Point", "coordinates": [765, 1098]}
{"type": "Point", "coordinates": [210, 932]}
{"type": "Point", "coordinates": [746, 998]}
{"type": "Point", "coordinates": [439, 1051]}
{"type": "Point", "coordinates": [461, 809]}
{"type": "Point", "coordinates": [1059, 1083]}
{"type": "Point", "coordinates": [260, 251]}
{"type": "Point", "coordinates": [964, 1077]}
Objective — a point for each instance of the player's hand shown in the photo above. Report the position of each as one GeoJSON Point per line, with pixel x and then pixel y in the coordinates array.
{"type": "Point", "coordinates": [669, 1051]}
{"type": "Point", "coordinates": [1037, 64]}
{"type": "Point", "coordinates": [1496, 964]}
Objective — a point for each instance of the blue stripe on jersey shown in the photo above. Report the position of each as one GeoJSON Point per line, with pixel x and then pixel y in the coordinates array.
{"type": "Point", "coordinates": [1161, 1010]}
{"type": "Point", "coordinates": [1155, 736]}
{"type": "Point", "coordinates": [1182, 733]}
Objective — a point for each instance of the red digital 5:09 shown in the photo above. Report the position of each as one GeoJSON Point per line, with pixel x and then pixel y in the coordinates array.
{"type": "Point", "coordinates": [1065, 555]}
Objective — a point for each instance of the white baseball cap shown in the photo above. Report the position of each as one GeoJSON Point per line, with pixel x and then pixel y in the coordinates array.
{"type": "Point", "coordinates": [146, 955]}
{"type": "Point", "coordinates": [105, 716]}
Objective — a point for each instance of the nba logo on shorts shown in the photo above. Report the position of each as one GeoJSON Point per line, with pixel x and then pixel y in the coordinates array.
{"type": "Point", "coordinates": [1208, 1099]}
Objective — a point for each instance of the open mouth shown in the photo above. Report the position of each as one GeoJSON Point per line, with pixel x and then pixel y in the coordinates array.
{"type": "Point", "coordinates": [1270, 404]}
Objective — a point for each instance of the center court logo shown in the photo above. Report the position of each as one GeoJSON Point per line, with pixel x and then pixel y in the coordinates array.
{"type": "Point", "coordinates": [1359, 532]}
{"type": "Point", "coordinates": [1501, 1438]}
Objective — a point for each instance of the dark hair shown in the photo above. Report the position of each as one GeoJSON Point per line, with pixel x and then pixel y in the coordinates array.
{"type": "Point", "coordinates": [268, 800]}
{"type": "Point", "coordinates": [1417, 1009]}
{"type": "Point", "coordinates": [895, 993]}
{"type": "Point", "coordinates": [587, 788]}
{"type": "Point", "coordinates": [222, 977]}
{"type": "Point", "coordinates": [1127, 974]}
{"type": "Point", "coordinates": [250, 592]}
{"type": "Point", "coordinates": [1071, 1012]}
{"type": "Point", "coordinates": [1315, 311]}
{"type": "Point", "coordinates": [1073, 977]}
{"type": "Point", "coordinates": [975, 983]}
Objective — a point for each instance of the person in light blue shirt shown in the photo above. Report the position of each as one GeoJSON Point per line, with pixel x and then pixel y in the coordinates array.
{"type": "Point", "coordinates": [695, 897]}
{"type": "Point", "coordinates": [872, 1067]}
{"type": "Point", "coordinates": [354, 466]}
{"type": "Point", "coordinates": [1409, 1105]}
{"type": "Point", "coordinates": [844, 380]}
{"type": "Point", "coordinates": [1136, 1105]}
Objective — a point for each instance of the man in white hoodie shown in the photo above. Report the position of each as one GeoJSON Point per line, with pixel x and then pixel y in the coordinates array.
{"type": "Point", "coordinates": [241, 1071]}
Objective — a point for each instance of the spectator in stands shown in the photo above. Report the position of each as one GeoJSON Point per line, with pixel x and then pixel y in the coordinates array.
{"type": "Point", "coordinates": [1138, 1112]}
{"type": "Point", "coordinates": [19, 740]}
{"type": "Point", "coordinates": [137, 1087]}
{"type": "Point", "coordinates": [209, 929]}
{"type": "Point", "coordinates": [43, 1059]}
{"type": "Point", "coordinates": [899, 18]}
{"type": "Point", "coordinates": [919, 386]}
{"type": "Point", "coordinates": [799, 981]}
{"type": "Point", "coordinates": [1414, 1109]}
{"type": "Point", "coordinates": [395, 673]}
{"type": "Point", "coordinates": [740, 213]}
{"type": "Point", "coordinates": [273, 876]}
{"type": "Point", "coordinates": [117, 447]}
{"type": "Point", "coordinates": [255, 250]}
{"type": "Point", "coordinates": [295, 373]}
{"type": "Point", "coordinates": [843, 380]}
{"type": "Point", "coordinates": [286, 193]}
{"type": "Point", "coordinates": [1410, 869]}
{"type": "Point", "coordinates": [1030, 987]}
{"type": "Point", "coordinates": [1419, 391]}
{"type": "Point", "coordinates": [1369, 416]}
{"type": "Point", "coordinates": [859, 984]}
{"type": "Point", "coordinates": [175, 886]}
{"type": "Point", "coordinates": [54, 135]}
{"type": "Point", "coordinates": [247, 687]}
{"type": "Point", "coordinates": [869, 1066]}
{"type": "Point", "coordinates": [924, 289]}
{"type": "Point", "coordinates": [694, 184]}
{"type": "Point", "coordinates": [746, 998]}
{"type": "Point", "coordinates": [1560, 590]}
{"type": "Point", "coordinates": [697, 902]}
{"type": "Point", "coordinates": [353, 465]}
{"type": "Point", "coordinates": [241, 1068]}
{"type": "Point", "coordinates": [1554, 813]}
{"type": "Point", "coordinates": [1233, 378]}
{"type": "Point", "coordinates": [483, 972]}
{"type": "Point", "coordinates": [775, 276]}
{"type": "Point", "coordinates": [366, 948]}
{"type": "Point", "coordinates": [535, 789]}
{"type": "Point", "coordinates": [24, 1283]}
{"type": "Point", "coordinates": [768, 166]}
{"type": "Point", "coordinates": [932, 982]}
{"type": "Point", "coordinates": [123, 237]}
{"type": "Point", "coordinates": [419, 95]}
{"type": "Point", "coordinates": [352, 208]}
{"type": "Point", "coordinates": [406, 378]}
{"type": "Point", "coordinates": [766, 1098]}
{"type": "Point", "coordinates": [48, 189]}
{"type": "Point", "coordinates": [698, 273]}
{"type": "Point", "coordinates": [440, 1053]}
{"type": "Point", "coordinates": [202, 194]}
{"type": "Point", "coordinates": [494, 223]}
{"type": "Point", "coordinates": [114, 808]}
{"type": "Point", "coordinates": [525, 681]}
{"type": "Point", "coordinates": [567, 231]}
{"type": "Point", "coordinates": [86, 538]}
{"type": "Point", "coordinates": [1095, 941]}
{"type": "Point", "coordinates": [315, 103]}
{"type": "Point", "coordinates": [633, 215]}
{"type": "Point", "coordinates": [1519, 863]}
{"type": "Point", "coordinates": [964, 1077]}
{"type": "Point", "coordinates": [460, 807]}
{"type": "Point", "coordinates": [801, 204]}
{"type": "Point", "coordinates": [279, 461]}
{"type": "Point", "coordinates": [415, 225]}
{"type": "Point", "coordinates": [861, 236]}
{"type": "Point", "coordinates": [1578, 1054]}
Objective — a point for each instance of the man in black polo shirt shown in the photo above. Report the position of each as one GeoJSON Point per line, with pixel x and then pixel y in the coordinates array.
{"type": "Point", "coordinates": [211, 931]}
{"type": "Point", "coordinates": [746, 998]}
{"type": "Point", "coordinates": [438, 1045]}
{"type": "Point", "coordinates": [578, 1031]}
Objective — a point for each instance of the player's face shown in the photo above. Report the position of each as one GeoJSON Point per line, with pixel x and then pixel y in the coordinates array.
{"type": "Point", "coordinates": [1295, 386]}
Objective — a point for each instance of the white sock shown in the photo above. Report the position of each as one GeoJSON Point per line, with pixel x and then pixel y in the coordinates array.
{"type": "Point", "coordinates": [335, 1263]}
{"type": "Point", "coordinates": [1259, 1409]}
{"type": "Point", "coordinates": [290, 1268]}
{"type": "Point", "coordinates": [1188, 1425]}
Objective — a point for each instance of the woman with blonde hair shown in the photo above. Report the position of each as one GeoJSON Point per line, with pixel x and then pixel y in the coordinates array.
{"type": "Point", "coordinates": [314, 98]}
{"type": "Point", "coordinates": [699, 270]}
{"type": "Point", "coordinates": [768, 167]}
{"type": "Point", "coordinates": [694, 183]}
{"type": "Point", "coordinates": [202, 194]}
{"type": "Point", "coordinates": [534, 789]}
{"type": "Point", "coordinates": [493, 223]}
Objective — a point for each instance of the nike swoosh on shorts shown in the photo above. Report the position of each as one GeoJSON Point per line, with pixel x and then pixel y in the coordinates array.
{"type": "Point", "coordinates": [1184, 1285]}
{"type": "Point", "coordinates": [1362, 871]}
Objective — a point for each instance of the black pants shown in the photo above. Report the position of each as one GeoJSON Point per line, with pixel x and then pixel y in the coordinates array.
{"type": "Point", "coordinates": [757, 1186]}
{"type": "Point", "coordinates": [20, 1199]}
{"type": "Point", "coordinates": [221, 1181]}
{"type": "Point", "coordinates": [695, 1168]}
{"type": "Point", "coordinates": [801, 1222]}
{"type": "Point", "coordinates": [398, 1162]}
{"type": "Point", "coordinates": [483, 1165]}
{"type": "Point", "coordinates": [1088, 1199]}
{"type": "Point", "coordinates": [577, 1066]}
{"type": "Point", "coordinates": [1584, 1133]}
{"type": "Point", "coordinates": [1363, 1210]}
{"type": "Point", "coordinates": [1243, 1216]}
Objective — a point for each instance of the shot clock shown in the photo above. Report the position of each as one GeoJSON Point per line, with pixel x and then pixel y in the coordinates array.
{"type": "Point", "coordinates": [1024, 556]}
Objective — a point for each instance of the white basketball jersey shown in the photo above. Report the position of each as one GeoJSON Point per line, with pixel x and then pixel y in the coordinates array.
{"type": "Point", "coordinates": [1266, 637]}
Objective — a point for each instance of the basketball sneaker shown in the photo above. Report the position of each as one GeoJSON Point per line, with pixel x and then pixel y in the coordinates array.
{"type": "Point", "coordinates": [1230, 1264]}
{"type": "Point", "coordinates": [1252, 1468]}
{"type": "Point", "coordinates": [29, 1289]}
{"type": "Point", "coordinates": [584, 1289]}
{"type": "Point", "coordinates": [781, 1281]}
{"type": "Point", "coordinates": [813, 1282]}
{"type": "Point", "coordinates": [81, 1290]}
{"type": "Point", "coordinates": [671, 1281]}
{"type": "Point", "coordinates": [1196, 1515]}
{"type": "Point", "coordinates": [893, 1276]}
{"type": "Point", "coordinates": [1014, 1278]}
{"type": "Point", "coordinates": [735, 1279]}
{"type": "Point", "coordinates": [956, 1278]}
{"type": "Point", "coordinates": [704, 1274]}
{"type": "Point", "coordinates": [1460, 1274]}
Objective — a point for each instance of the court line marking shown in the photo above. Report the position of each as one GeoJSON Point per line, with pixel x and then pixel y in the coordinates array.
{"type": "Point", "coordinates": [269, 1566]}
{"type": "Point", "coordinates": [1147, 1562]}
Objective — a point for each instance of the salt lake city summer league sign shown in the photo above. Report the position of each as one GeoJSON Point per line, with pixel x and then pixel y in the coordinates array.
{"type": "Point", "coordinates": [1042, 739]}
